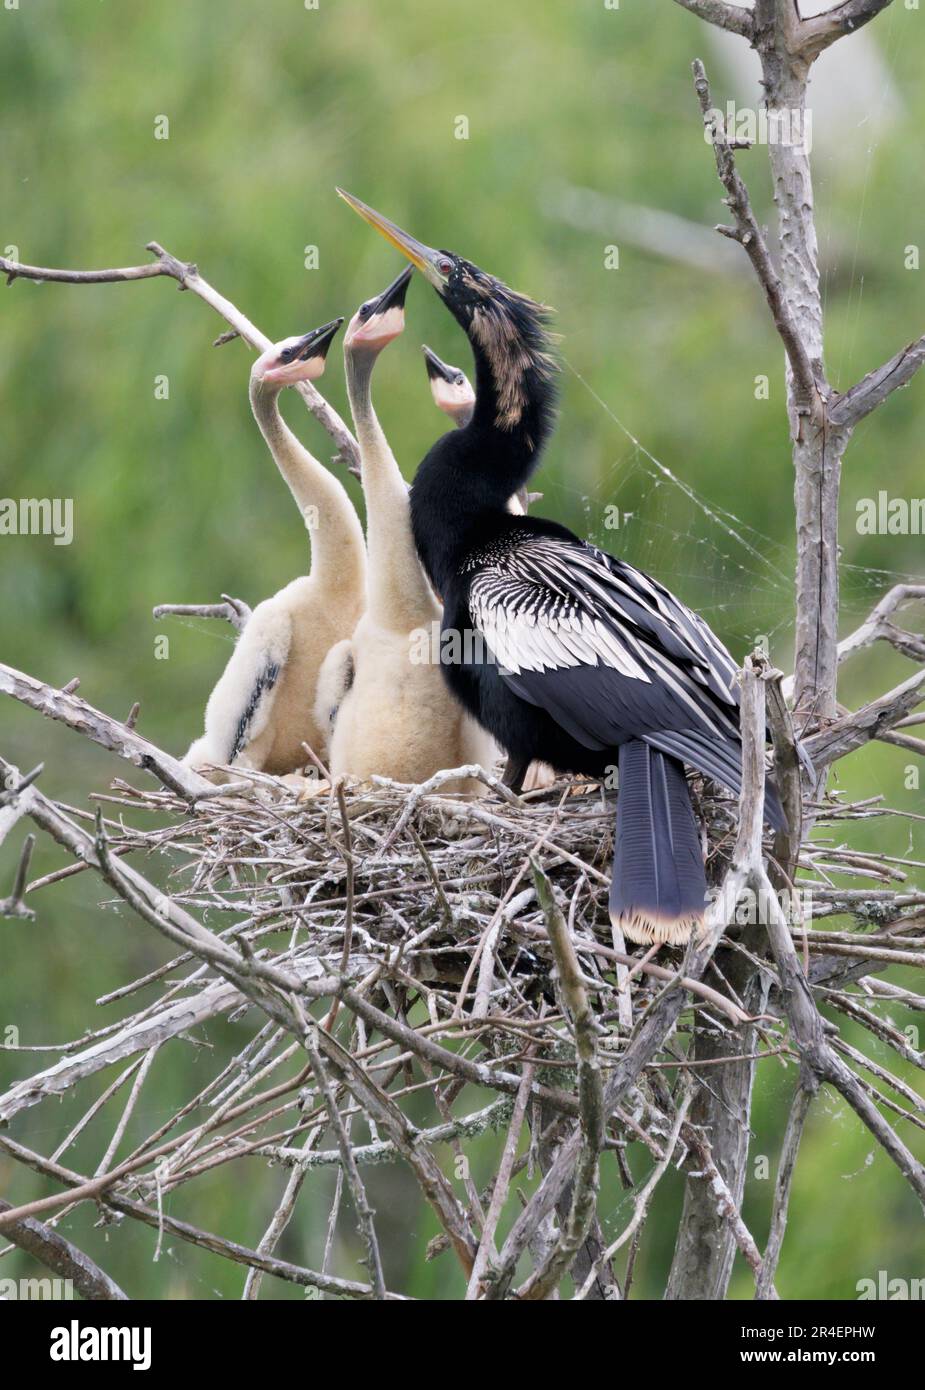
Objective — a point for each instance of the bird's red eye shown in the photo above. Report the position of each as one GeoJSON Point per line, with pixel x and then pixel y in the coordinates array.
{"type": "Point", "coordinates": [444, 265]}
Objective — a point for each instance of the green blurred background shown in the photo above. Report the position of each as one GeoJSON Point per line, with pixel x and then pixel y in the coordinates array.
{"type": "Point", "coordinates": [270, 105]}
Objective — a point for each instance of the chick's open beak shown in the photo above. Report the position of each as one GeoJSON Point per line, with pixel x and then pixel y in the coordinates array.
{"type": "Point", "coordinates": [317, 342]}
{"type": "Point", "coordinates": [437, 368]}
{"type": "Point", "coordinates": [423, 258]}
{"type": "Point", "coordinates": [394, 296]}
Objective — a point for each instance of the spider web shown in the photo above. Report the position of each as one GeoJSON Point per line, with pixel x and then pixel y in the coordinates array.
{"type": "Point", "coordinates": [740, 579]}
{"type": "Point", "coordinates": [737, 577]}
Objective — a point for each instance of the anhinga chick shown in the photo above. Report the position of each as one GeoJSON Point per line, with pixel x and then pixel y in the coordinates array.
{"type": "Point", "coordinates": [588, 662]}
{"type": "Point", "coordinates": [450, 387]}
{"type": "Point", "coordinates": [261, 710]}
{"type": "Point", "coordinates": [389, 712]}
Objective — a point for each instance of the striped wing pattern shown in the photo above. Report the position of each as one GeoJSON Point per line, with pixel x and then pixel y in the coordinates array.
{"type": "Point", "coordinates": [607, 650]}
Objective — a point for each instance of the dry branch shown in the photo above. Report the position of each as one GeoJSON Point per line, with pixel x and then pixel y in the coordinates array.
{"type": "Point", "coordinates": [724, 15]}
{"type": "Point", "coordinates": [851, 408]}
{"type": "Point", "coordinates": [228, 1249]}
{"type": "Point", "coordinates": [109, 733]}
{"type": "Point", "coordinates": [13, 906]}
{"type": "Point", "coordinates": [187, 277]}
{"type": "Point", "coordinates": [819, 1056]}
{"type": "Point", "coordinates": [373, 927]}
{"type": "Point", "coordinates": [818, 32]}
{"type": "Point", "coordinates": [879, 625]}
{"type": "Point", "coordinates": [871, 721]}
{"type": "Point", "coordinates": [806, 1089]}
{"type": "Point", "coordinates": [645, 1195]}
{"type": "Point", "coordinates": [590, 1095]}
{"type": "Point", "coordinates": [364, 1211]}
{"type": "Point", "coordinates": [750, 237]}
{"type": "Point", "coordinates": [233, 610]}
{"type": "Point", "coordinates": [62, 1257]}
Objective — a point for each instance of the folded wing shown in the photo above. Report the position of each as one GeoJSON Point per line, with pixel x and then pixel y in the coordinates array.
{"type": "Point", "coordinates": [610, 653]}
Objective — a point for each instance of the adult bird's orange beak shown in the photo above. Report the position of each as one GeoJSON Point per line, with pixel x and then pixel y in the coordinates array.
{"type": "Point", "coordinates": [423, 258]}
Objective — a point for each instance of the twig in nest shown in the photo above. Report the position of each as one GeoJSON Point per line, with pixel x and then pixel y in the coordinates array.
{"type": "Point", "coordinates": [13, 906]}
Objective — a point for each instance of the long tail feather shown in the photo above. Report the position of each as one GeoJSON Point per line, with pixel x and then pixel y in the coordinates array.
{"type": "Point", "coordinates": [721, 761]}
{"type": "Point", "coordinates": [658, 890]}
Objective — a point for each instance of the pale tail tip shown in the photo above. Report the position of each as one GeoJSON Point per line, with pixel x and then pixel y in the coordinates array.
{"type": "Point", "coordinates": [655, 928]}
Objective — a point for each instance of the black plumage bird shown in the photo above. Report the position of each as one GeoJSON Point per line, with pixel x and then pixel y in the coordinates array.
{"type": "Point", "coordinates": [583, 661]}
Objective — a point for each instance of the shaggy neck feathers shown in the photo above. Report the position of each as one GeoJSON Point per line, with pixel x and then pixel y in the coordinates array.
{"type": "Point", "coordinates": [514, 367]}
{"type": "Point", "coordinates": [462, 488]}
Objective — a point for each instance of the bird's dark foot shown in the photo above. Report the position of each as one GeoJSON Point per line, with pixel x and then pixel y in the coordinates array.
{"type": "Point", "coordinates": [514, 774]}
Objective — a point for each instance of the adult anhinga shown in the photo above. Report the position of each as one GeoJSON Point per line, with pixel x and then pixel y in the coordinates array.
{"type": "Point", "coordinates": [390, 712]}
{"type": "Point", "coordinates": [587, 660]}
{"type": "Point", "coordinates": [261, 711]}
{"type": "Point", "coordinates": [453, 394]}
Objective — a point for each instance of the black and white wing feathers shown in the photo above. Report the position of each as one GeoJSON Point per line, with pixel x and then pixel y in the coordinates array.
{"type": "Point", "coordinates": [606, 650]}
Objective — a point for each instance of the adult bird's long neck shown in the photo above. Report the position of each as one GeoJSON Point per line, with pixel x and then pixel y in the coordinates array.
{"type": "Point", "coordinates": [338, 549]}
{"type": "Point", "coordinates": [398, 595]}
{"type": "Point", "coordinates": [513, 413]}
{"type": "Point", "coordinates": [462, 489]}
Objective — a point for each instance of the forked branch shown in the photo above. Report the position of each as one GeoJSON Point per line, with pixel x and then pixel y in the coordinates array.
{"type": "Point", "coordinates": [187, 276]}
{"type": "Point", "coordinates": [733, 18]}
{"type": "Point", "coordinates": [750, 237]}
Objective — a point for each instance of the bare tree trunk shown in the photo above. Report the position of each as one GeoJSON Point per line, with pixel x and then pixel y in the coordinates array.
{"type": "Point", "coordinates": [705, 1247]}
{"type": "Point", "coordinates": [604, 1288]}
{"type": "Point", "coordinates": [817, 447]}
{"type": "Point", "coordinates": [821, 424]}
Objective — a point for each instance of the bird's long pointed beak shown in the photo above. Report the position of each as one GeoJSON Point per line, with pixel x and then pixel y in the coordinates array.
{"type": "Point", "coordinates": [422, 257]}
{"type": "Point", "coordinates": [394, 296]}
{"type": "Point", "coordinates": [436, 367]}
{"type": "Point", "coordinates": [317, 342]}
